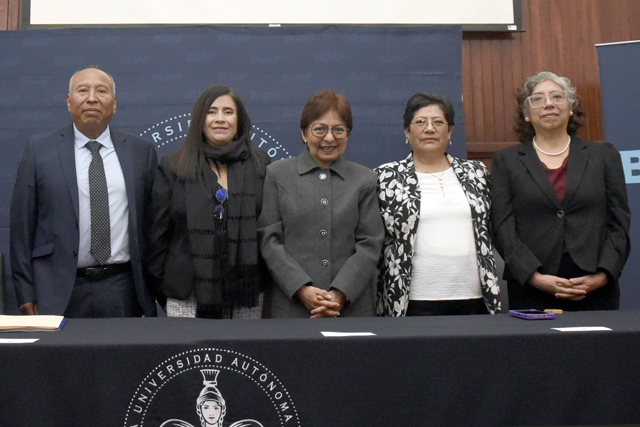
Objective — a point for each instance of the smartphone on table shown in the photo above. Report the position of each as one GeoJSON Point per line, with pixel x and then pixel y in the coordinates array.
{"type": "Point", "coordinates": [532, 314]}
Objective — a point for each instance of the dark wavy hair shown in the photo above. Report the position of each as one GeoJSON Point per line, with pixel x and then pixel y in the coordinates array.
{"type": "Point", "coordinates": [323, 102]}
{"type": "Point", "coordinates": [525, 129]}
{"type": "Point", "coordinates": [189, 160]}
{"type": "Point", "coordinates": [424, 99]}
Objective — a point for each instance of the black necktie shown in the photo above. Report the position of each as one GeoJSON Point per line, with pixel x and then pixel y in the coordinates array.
{"type": "Point", "coordinates": [99, 202]}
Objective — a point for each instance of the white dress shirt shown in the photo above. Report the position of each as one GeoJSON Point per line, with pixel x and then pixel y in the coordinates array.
{"type": "Point", "coordinates": [118, 202]}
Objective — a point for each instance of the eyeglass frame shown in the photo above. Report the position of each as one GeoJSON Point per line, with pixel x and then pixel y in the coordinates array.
{"type": "Point", "coordinates": [329, 128]}
{"type": "Point", "coordinates": [544, 101]}
{"type": "Point", "coordinates": [433, 123]}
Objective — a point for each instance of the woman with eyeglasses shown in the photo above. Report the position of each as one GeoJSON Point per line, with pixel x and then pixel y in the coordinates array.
{"type": "Point", "coordinates": [560, 213]}
{"type": "Point", "coordinates": [202, 240]}
{"type": "Point", "coordinates": [436, 257]}
{"type": "Point", "coordinates": [320, 228]}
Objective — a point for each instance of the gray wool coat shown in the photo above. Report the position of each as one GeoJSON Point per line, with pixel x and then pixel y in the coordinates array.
{"type": "Point", "coordinates": [321, 227]}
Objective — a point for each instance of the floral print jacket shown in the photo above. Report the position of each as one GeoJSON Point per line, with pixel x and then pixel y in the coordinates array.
{"type": "Point", "coordinates": [399, 200]}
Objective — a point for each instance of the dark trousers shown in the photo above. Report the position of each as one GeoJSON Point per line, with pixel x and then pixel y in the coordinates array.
{"type": "Point", "coordinates": [447, 307]}
{"type": "Point", "coordinates": [114, 296]}
{"type": "Point", "coordinates": [522, 297]}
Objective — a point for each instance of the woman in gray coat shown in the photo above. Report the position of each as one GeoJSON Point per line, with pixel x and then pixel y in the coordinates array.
{"type": "Point", "coordinates": [320, 229]}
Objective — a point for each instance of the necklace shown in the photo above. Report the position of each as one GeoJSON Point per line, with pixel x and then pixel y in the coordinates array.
{"type": "Point", "coordinates": [436, 176]}
{"type": "Point", "coordinates": [439, 180]}
{"type": "Point", "coordinates": [552, 154]}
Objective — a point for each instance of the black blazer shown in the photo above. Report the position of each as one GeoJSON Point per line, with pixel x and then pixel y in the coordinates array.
{"type": "Point", "coordinates": [531, 227]}
{"type": "Point", "coordinates": [44, 217]}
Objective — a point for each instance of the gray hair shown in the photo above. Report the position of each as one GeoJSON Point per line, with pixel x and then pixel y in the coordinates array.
{"type": "Point", "coordinates": [523, 128]}
{"type": "Point", "coordinates": [533, 81]}
{"type": "Point", "coordinates": [113, 82]}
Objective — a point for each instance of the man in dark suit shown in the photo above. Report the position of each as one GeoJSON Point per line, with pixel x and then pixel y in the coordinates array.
{"type": "Point", "coordinates": [78, 209]}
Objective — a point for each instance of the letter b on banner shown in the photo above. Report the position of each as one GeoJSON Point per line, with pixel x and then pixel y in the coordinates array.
{"type": "Point", "coordinates": [631, 164]}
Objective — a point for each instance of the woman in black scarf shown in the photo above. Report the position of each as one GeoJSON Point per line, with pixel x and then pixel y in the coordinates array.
{"type": "Point", "coordinates": [202, 240]}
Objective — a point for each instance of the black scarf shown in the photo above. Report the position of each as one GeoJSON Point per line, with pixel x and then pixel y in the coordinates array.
{"type": "Point", "coordinates": [224, 253]}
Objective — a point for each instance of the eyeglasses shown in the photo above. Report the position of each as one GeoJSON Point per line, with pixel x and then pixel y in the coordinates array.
{"type": "Point", "coordinates": [319, 130]}
{"type": "Point", "coordinates": [218, 211]}
{"type": "Point", "coordinates": [558, 97]}
{"type": "Point", "coordinates": [420, 124]}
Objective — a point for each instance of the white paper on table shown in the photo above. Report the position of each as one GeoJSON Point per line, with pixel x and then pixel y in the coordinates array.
{"type": "Point", "coordinates": [347, 334]}
{"type": "Point", "coordinates": [18, 340]}
{"type": "Point", "coordinates": [583, 329]}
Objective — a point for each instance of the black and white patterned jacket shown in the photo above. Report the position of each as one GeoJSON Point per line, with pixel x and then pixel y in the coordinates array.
{"type": "Point", "coordinates": [399, 200]}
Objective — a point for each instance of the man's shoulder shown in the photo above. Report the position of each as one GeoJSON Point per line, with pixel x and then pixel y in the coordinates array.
{"type": "Point", "coordinates": [118, 136]}
{"type": "Point", "coordinates": [67, 132]}
{"type": "Point", "coordinates": [47, 137]}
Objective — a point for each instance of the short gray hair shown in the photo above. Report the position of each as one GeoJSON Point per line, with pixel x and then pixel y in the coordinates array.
{"type": "Point", "coordinates": [113, 82]}
{"type": "Point", "coordinates": [523, 128]}
{"type": "Point", "coordinates": [533, 81]}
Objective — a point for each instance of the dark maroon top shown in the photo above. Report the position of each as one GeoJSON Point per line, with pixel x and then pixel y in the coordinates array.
{"type": "Point", "coordinates": [558, 178]}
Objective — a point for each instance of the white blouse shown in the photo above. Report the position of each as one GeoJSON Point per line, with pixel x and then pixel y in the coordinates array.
{"type": "Point", "coordinates": [445, 265]}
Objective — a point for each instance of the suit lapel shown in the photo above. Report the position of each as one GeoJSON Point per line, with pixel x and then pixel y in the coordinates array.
{"type": "Point", "coordinates": [123, 150]}
{"type": "Point", "coordinates": [411, 188]}
{"type": "Point", "coordinates": [66, 150]}
{"type": "Point", "coordinates": [576, 167]}
{"type": "Point", "coordinates": [470, 186]}
{"type": "Point", "coordinates": [533, 164]}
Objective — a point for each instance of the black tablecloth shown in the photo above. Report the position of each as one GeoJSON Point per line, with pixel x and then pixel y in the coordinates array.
{"type": "Point", "coordinates": [435, 371]}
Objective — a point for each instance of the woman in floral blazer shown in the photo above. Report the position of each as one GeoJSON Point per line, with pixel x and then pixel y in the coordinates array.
{"type": "Point", "coordinates": [448, 279]}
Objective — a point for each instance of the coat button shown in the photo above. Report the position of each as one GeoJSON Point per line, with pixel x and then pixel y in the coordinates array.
{"type": "Point", "coordinates": [322, 176]}
{"type": "Point", "coordinates": [324, 202]}
{"type": "Point", "coordinates": [325, 263]}
{"type": "Point", "coordinates": [560, 214]}
{"type": "Point", "coordinates": [323, 233]}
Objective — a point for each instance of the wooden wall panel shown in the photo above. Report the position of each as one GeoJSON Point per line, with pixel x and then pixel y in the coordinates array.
{"type": "Point", "coordinates": [4, 14]}
{"type": "Point", "coordinates": [10, 14]}
{"type": "Point", "coordinates": [15, 13]}
{"type": "Point", "coordinates": [558, 36]}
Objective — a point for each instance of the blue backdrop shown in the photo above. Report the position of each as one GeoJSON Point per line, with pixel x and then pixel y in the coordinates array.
{"type": "Point", "coordinates": [619, 65]}
{"type": "Point", "coordinates": [161, 71]}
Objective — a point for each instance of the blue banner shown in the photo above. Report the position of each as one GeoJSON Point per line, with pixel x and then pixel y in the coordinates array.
{"type": "Point", "coordinates": [619, 65]}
